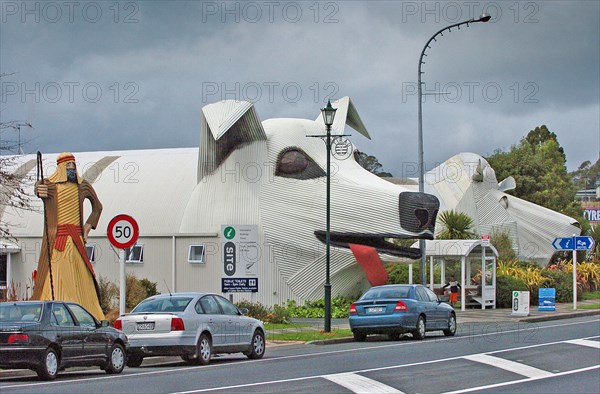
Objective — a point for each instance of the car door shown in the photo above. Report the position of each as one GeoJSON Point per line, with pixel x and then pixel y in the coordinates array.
{"type": "Point", "coordinates": [214, 319]}
{"type": "Point", "coordinates": [428, 307]}
{"type": "Point", "coordinates": [438, 310]}
{"type": "Point", "coordinates": [95, 342]}
{"type": "Point", "coordinates": [234, 332]}
{"type": "Point", "coordinates": [68, 336]}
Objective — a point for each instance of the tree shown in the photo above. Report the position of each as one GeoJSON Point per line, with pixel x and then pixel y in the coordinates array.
{"type": "Point", "coordinates": [371, 164]}
{"type": "Point", "coordinates": [455, 225]}
{"type": "Point", "coordinates": [12, 191]}
{"type": "Point", "coordinates": [587, 176]}
{"type": "Point", "coordinates": [538, 164]}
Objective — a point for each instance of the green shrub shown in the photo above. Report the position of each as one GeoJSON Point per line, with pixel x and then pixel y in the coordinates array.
{"type": "Point", "coordinates": [503, 244]}
{"type": "Point", "coordinates": [505, 285]}
{"type": "Point", "coordinates": [109, 294]}
{"type": "Point", "coordinates": [137, 290]}
{"type": "Point", "coordinates": [255, 309]}
{"type": "Point", "coordinates": [280, 315]}
{"type": "Point", "coordinates": [398, 273]}
{"type": "Point", "coordinates": [149, 287]}
{"type": "Point", "coordinates": [340, 307]}
{"type": "Point", "coordinates": [563, 283]}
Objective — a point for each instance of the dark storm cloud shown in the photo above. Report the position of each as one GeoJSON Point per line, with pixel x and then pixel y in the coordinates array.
{"type": "Point", "coordinates": [132, 75]}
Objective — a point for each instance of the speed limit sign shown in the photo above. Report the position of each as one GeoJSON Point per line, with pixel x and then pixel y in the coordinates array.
{"type": "Point", "coordinates": [123, 231]}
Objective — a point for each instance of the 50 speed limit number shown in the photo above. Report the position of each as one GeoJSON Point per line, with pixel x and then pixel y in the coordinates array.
{"type": "Point", "coordinates": [123, 231]}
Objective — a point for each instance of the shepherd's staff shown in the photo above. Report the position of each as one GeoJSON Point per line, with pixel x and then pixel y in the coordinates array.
{"type": "Point", "coordinates": [40, 177]}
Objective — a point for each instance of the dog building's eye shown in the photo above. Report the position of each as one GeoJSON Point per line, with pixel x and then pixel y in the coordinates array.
{"type": "Point", "coordinates": [294, 163]}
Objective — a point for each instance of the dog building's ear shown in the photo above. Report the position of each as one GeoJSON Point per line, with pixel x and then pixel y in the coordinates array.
{"type": "Point", "coordinates": [226, 126]}
{"type": "Point", "coordinates": [346, 114]}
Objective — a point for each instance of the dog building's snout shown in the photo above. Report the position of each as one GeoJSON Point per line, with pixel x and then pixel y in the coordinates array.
{"type": "Point", "coordinates": [418, 211]}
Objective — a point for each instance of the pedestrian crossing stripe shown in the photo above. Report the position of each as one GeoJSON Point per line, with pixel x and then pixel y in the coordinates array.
{"type": "Point", "coordinates": [508, 365]}
{"type": "Point", "coordinates": [360, 384]}
{"type": "Point", "coordinates": [585, 342]}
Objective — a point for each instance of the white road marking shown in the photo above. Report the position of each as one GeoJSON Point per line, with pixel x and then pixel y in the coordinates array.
{"type": "Point", "coordinates": [304, 378]}
{"type": "Point", "coordinates": [513, 382]}
{"type": "Point", "coordinates": [585, 342]}
{"type": "Point", "coordinates": [305, 355]}
{"type": "Point", "coordinates": [360, 384]}
{"type": "Point", "coordinates": [508, 365]}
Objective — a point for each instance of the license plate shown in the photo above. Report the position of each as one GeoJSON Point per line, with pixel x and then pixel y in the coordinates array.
{"type": "Point", "coordinates": [149, 326]}
{"type": "Point", "coordinates": [375, 309]}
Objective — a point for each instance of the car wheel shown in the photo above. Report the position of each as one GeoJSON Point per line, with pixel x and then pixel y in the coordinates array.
{"type": "Point", "coordinates": [116, 359]}
{"type": "Point", "coordinates": [451, 330]}
{"type": "Point", "coordinates": [257, 346]}
{"type": "Point", "coordinates": [49, 367]}
{"type": "Point", "coordinates": [359, 336]}
{"type": "Point", "coordinates": [204, 350]}
{"type": "Point", "coordinates": [419, 332]}
{"type": "Point", "coordinates": [134, 360]}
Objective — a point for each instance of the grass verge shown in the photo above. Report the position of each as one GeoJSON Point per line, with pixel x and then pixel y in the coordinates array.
{"type": "Point", "coordinates": [588, 306]}
{"type": "Point", "coordinates": [306, 335]}
{"type": "Point", "coordinates": [591, 295]}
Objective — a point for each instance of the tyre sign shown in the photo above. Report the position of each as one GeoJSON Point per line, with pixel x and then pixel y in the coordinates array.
{"type": "Point", "coordinates": [123, 231]}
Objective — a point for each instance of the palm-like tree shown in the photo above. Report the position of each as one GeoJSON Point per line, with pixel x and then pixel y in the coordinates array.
{"type": "Point", "coordinates": [456, 225]}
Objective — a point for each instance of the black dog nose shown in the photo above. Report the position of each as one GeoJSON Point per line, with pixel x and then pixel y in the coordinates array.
{"type": "Point", "coordinates": [418, 212]}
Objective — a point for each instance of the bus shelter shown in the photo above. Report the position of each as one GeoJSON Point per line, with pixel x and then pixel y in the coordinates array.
{"type": "Point", "coordinates": [472, 261]}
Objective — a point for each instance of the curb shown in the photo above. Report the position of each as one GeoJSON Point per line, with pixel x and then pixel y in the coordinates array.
{"type": "Point", "coordinates": [569, 315]}
{"type": "Point", "coordinates": [330, 341]}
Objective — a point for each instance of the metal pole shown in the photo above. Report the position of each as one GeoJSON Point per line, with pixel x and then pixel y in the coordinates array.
{"type": "Point", "coordinates": [574, 274]}
{"type": "Point", "coordinates": [122, 291]}
{"type": "Point", "coordinates": [482, 18]}
{"type": "Point", "coordinates": [421, 164]}
{"type": "Point", "coordinates": [327, 327]}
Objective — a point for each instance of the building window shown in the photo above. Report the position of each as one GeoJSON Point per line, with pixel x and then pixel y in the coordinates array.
{"type": "Point", "coordinates": [136, 254]}
{"type": "Point", "coordinates": [90, 249]}
{"type": "Point", "coordinates": [196, 254]}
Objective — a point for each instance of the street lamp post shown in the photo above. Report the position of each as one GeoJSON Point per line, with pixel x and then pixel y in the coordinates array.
{"type": "Point", "coordinates": [482, 18]}
{"type": "Point", "coordinates": [328, 116]}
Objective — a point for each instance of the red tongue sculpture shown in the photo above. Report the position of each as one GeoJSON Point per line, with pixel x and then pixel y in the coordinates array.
{"type": "Point", "coordinates": [369, 260]}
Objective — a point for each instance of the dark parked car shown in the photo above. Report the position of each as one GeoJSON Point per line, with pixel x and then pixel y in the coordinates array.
{"type": "Point", "coordinates": [399, 309]}
{"type": "Point", "coordinates": [191, 325]}
{"type": "Point", "coordinates": [48, 336]}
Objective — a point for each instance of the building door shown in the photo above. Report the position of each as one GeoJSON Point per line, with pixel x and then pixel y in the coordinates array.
{"type": "Point", "coordinates": [3, 271]}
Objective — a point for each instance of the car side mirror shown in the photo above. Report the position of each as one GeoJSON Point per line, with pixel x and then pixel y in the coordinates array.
{"type": "Point", "coordinates": [104, 323]}
{"type": "Point", "coordinates": [244, 311]}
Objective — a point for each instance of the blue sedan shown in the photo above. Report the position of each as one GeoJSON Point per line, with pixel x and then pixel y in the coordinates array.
{"type": "Point", "coordinates": [399, 309]}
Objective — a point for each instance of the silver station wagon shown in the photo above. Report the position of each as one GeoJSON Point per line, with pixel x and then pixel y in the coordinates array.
{"type": "Point", "coordinates": [191, 325]}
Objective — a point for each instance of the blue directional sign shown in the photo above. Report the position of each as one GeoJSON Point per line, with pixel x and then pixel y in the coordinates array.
{"type": "Point", "coordinates": [584, 243]}
{"type": "Point", "coordinates": [563, 243]}
{"type": "Point", "coordinates": [573, 243]}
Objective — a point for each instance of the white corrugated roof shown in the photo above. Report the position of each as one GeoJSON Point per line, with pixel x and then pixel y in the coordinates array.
{"type": "Point", "coordinates": [153, 186]}
{"type": "Point", "coordinates": [453, 247]}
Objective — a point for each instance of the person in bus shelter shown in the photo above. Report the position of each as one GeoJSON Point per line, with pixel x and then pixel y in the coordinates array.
{"type": "Point", "coordinates": [454, 286]}
{"type": "Point", "coordinates": [63, 244]}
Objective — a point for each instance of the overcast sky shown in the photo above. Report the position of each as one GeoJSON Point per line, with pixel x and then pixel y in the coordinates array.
{"type": "Point", "coordinates": [134, 74]}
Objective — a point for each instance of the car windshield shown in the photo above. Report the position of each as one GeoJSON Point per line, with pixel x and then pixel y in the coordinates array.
{"type": "Point", "coordinates": [14, 311]}
{"type": "Point", "coordinates": [386, 292]}
{"type": "Point", "coordinates": [171, 304]}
